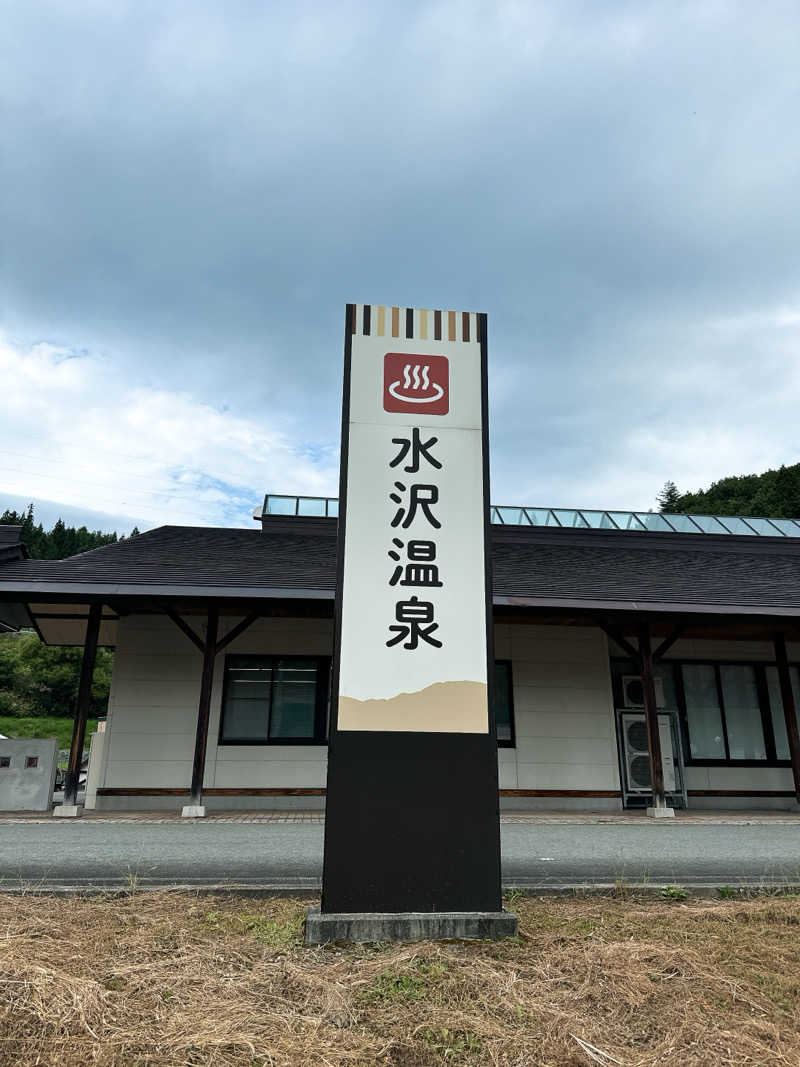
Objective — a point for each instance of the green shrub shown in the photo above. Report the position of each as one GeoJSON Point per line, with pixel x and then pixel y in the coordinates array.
{"type": "Point", "coordinates": [41, 680]}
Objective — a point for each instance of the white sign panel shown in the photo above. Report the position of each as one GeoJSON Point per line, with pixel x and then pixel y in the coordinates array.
{"type": "Point", "coordinates": [413, 651]}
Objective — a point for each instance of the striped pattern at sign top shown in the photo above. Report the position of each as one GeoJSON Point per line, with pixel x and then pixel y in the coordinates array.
{"type": "Point", "coordinates": [381, 320]}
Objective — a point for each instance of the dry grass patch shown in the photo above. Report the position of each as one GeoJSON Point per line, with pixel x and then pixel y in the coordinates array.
{"type": "Point", "coordinates": [151, 980]}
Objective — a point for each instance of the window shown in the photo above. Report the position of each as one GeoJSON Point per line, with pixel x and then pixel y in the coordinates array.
{"type": "Point", "coordinates": [703, 713]}
{"type": "Point", "coordinates": [776, 708]}
{"type": "Point", "coordinates": [742, 712]}
{"type": "Point", "coordinates": [274, 700]}
{"type": "Point", "coordinates": [724, 712]}
{"type": "Point", "coordinates": [504, 703]}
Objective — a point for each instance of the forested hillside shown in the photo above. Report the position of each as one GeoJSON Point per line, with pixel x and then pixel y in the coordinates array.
{"type": "Point", "coordinates": [38, 683]}
{"type": "Point", "coordinates": [59, 542]}
{"type": "Point", "coordinates": [775, 494]}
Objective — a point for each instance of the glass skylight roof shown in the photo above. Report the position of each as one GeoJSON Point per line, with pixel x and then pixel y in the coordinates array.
{"type": "Point", "coordinates": [571, 518]}
{"type": "Point", "coordinates": [646, 520]}
{"type": "Point", "coordinates": [312, 506]}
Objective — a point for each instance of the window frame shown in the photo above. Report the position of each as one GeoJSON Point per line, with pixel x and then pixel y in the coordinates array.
{"type": "Point", "coordinates": [321, 702]}
{"type": "Point", "coordinates": [762, 690]}
{"type": "Point", "coordinates": [512, 741]}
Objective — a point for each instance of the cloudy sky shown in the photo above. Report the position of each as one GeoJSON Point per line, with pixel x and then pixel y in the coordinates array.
{"type": "Point", "coordinates": [191, 191]}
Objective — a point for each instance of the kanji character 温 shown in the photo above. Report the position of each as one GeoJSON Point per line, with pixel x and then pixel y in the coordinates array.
{"type": "Point", "coordinates": [421, 571]}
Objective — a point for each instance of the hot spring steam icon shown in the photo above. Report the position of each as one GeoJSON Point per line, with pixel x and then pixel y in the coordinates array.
{"type": "Point", "coordinates": [394, 388]}
{"type": "Point", "coordinates": [416, 383]}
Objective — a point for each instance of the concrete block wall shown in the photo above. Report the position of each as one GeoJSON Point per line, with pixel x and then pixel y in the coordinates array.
{"type": "Point", "coordinates": [27, 773]}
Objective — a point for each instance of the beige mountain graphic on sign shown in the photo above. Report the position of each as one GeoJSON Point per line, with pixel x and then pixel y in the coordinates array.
{"type": "Point", "coordinates": [444, 707]}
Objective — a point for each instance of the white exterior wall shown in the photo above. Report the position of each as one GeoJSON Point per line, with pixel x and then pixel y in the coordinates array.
{"type": "Point", "coordinates": [563, 711]}
{"type": "Point", "coordinates": [152, 715]}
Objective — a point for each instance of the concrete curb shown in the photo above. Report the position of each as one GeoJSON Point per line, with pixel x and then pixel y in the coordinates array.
{"type": "Point", "coordinates": [310, 890]}
{"type": "Point", "coordinates": [301, 891]}
{"type": "Point", "coordinates": [624, 889]}
{"type": "Point", "coordinates": [283, 818]}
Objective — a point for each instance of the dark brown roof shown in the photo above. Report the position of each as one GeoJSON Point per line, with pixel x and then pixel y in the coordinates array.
{"type": "Point", "coordinates": [195, 560]}
{"type": "Point", "coordinates": [644, 570]}
{"type": "Point", "coordinates": [533, 566]}
{"type": "Point", "coordinates": [11, 547]}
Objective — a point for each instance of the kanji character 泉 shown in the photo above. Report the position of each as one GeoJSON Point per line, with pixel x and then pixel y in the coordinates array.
{"type": "Point", "coordinates": [417, 448]}
{"type": "Point", "coordinates": [420, 572]}
{"type": "Point", "coordinates": [416, 617]}
{"type": "Point", "coordinates": [422, 496]}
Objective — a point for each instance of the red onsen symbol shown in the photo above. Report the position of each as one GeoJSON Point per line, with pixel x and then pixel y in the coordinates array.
{"type": "Point", "coordinates": [416, 384]}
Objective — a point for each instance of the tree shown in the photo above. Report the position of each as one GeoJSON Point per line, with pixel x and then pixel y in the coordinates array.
{"type": "Point", "coordinates": [775, 494]}
{"type": "Point", "coordinates": [669, 498]}
{"type": "Point", "coordinates": [38, 679]}
{"type": "Point", "coordinates": [61, 541]}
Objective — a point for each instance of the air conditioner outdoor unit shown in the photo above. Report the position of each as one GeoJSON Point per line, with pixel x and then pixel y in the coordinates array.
{"type": "Point", "coordinates": [633, 691]}
{"type": "Point", "coordinates": [637, 759]}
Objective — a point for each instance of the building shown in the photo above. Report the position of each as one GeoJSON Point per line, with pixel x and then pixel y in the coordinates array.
{"type": "Point", "coordinates": [224, 637]}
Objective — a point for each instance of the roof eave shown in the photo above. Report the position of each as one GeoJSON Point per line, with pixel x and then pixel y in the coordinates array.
{"type": "Point", "coordinates": [12, 590]}
{"type": "Point", "coordinates": [20, 592]}
{"type": "Point", "coordinates": [640, 606]}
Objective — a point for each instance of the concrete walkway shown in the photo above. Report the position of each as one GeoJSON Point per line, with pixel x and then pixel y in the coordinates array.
{"type": "Point", "coordinates": [282, 851]}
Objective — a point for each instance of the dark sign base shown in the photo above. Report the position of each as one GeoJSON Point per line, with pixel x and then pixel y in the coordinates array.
{"type": "Point", "coordinates": [409, 926]}
{"type": "Point", "coordinates": [412, 824]}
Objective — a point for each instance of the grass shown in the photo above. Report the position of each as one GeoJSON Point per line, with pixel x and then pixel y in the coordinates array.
{"type": "Point", "coordinates": [168, 979]}
{"type": "Point", "coordinates": [43, 726]}
{"type": "Point", "coordinates": [673, 892]}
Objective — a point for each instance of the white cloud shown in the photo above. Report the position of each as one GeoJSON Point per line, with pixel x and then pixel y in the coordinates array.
{"type": "Point", "coordinates": [199, 188]}
{"type": "Point", "coordinates": [76, 431]}
{"type": "Point", "coordinates": [780, 318]}
{"type": "Point", "coordinates": [699, 401]}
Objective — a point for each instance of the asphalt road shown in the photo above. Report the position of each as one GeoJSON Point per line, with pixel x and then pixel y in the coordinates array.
{"type": "Point", "coordinates": [289, 856]}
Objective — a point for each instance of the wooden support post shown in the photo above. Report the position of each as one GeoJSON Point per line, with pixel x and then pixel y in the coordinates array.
{"type": "Point", "coordinates": [82, 708]}
{"type": "Point", "coordinates": [659, 806]}
{"type": "Point", "coordinates": [195, 806]}
{"type": "Point", "coordinates": [789, 708]}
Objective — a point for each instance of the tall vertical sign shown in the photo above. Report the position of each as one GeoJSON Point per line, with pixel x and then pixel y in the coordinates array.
{"type": "Point", "coordinates": [412, 818]}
